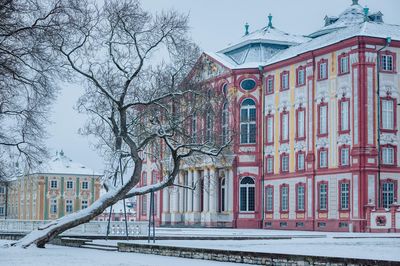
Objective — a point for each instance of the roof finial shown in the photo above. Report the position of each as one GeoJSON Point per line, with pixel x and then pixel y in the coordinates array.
{"type": "Point", "coordinates": [270, 21]}
{"type": "Point", "coordinates": [62, 153]}
{"type": "Point", "coordinates": [355, 2]}
{"type": "Point", "coordinates": [366, 11]}
{"type": "Point", "coordinates": [246, 27]}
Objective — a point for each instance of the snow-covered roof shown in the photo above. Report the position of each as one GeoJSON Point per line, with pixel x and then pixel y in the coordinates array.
{"type": "Point", "coordinates": [258, 46]}
{"type": "Point", "coordinates": [353, 15]}
{"type": "Point", "coordinates": [267, 35]}
{"type": "Point", "coordinates": [61, 164]}
{"type": "Point", "coordinates": [269, 45]}
{"type": "Point", "coordinates": [368, 29]}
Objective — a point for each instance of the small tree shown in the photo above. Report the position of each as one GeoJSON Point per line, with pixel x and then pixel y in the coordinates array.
{"type": "Point", "coordinates": [142, 88]}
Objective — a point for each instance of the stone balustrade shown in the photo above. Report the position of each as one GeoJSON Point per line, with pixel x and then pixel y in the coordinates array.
{"type": "Point", "coordinates": [91, 228]}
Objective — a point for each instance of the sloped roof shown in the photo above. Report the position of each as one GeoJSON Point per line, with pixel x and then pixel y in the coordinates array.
{"type": "Point", "coordinates": [268, 35]}
{"type": "Point", "coordinates": [353, 15]}
{"type": "Point", "coordinates": [368, 29]}
{"type": "Point", "coordinates": [61, 164]}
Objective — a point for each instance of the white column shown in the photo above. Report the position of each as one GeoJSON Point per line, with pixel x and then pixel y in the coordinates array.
{"type": "Point", "coordinates": [180, 191]}
{"type": "Point", "coordinates": [197, 192]}
{"type": "Point", "coordinates": [175, 200]}
{"type": "Point", "coordinates": [190, 192]}
{"type": "Point", "coordinates": [165, 215]}
{"type": "Point", "coordinates": [230, 190]}
{"type": "Point", "coordinates": [206, 190]}
{"type": "Point", "coordinates": [165, 206]}
{"type": "Point", "coordinates": [227, 189]}
{"type": "Point", "coordinates": [213, 191]}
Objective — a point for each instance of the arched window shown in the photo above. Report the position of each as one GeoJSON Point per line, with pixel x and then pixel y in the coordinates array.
{"type": "Point", "coordinates": [225, 123]}
{"type": "Point", "coordinates": [194, 128]}
{"type": "Point", "coordinates": [247, 194]}
{"type": "Point", "coordinates": [248, 122]}
{"type": "Point", "coordinates": [222, 201]}
{"type": "Point", "coordinates": [209, 125]}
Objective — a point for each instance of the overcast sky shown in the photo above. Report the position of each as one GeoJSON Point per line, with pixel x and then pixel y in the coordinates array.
{"type": "Point", "coordinates": [214, 24]}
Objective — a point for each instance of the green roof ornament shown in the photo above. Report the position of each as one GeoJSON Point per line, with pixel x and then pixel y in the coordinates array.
{"type": "Point", "coordinates": [355, 2]}
{"type": "Point", "coordinates": [366, 12]}
{"type": "Point", "coordinates": [246, 27]}
{"type": "Point", "coordinates": [270, 21]}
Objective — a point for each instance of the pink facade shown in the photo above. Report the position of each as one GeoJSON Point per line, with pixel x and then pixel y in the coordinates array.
{"type": "Point", "coordinates": [309, 131]}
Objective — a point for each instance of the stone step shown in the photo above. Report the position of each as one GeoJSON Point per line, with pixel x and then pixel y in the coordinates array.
{"type": "Point", "coordinates": [100, 247]}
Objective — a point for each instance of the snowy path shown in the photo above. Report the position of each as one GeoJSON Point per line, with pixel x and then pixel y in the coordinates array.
{"type": "Point", "coordinates": [65, 256]}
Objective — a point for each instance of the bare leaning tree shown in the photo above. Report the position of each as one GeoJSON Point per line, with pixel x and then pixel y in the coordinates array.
{"type": "Point", "coordinates": [26, 83]}
{"type": "Point", "coordinates": [142, 88]}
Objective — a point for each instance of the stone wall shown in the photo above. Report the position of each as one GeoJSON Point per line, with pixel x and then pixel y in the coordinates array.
{"type": "Point", "coordinates": [256, 258]}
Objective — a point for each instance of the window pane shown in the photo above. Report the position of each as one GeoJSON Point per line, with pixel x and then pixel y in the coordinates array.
{"type": "Point", "coordinates": [344, 108]}
{"type": "Point", "coordinates": [251, 199]}
{"type": "Point", "coordinates": [323, 119]}
{"type": "Point", "coordinates": [300, 124]}
{"type": "Point", "coordinates": [252, 138]}
{"type": "Point", "coordinates": [243, 199]}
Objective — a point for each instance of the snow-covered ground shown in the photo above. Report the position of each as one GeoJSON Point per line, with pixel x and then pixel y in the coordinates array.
{"type": "Point", "coordinates": [351, 245]}
{"type": "Point", "coordinates": [65, 256]}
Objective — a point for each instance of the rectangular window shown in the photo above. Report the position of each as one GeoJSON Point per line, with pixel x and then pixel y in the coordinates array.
{"type": "Point", "coordinates": [144, 205]}
{"type": "Point", "coordinates": [84, 204]}
{"type": "Point", "coordinates": [344, 156]}
{"type": "Point", "coordinates": [68, 206]}
{"type": "Point", "coordinates": [285, 81]}
{"type": "Point", "coordinates": [300, 161]}
{"type": "Point", "coordinates": [53, 183]}
{"type": "Point", "coordinates": [1, 211]}
{"type": "Point", "coordinates": [387, 194]}
{"type": "Point", "coordinates": [2, 190]}
{"type": "Point", "coordinates": [85, 185]}
{"type": "Point", "coordinates": [323, 119]}
{"type": "Point", "coordinates": [388, 155]}
{"type": "Point", "coordinates": [284, 198]}
{"type": "Point", "coordinates": [285, 163]}
{"type": "Point", "coordinates": [53, 206]}
{"type": "Point", "coordinates": [285, 127]}
{"type": "Point", "coordinates": [270, 85]}
{"type": "Point", "coordinates": [344, 196]}
{"type": "Point", "coordinates": [344, 115]}
{"type": "Point", "coordinates": [323, 159]}
{"type": "Point", "coordinates": [387, 62]}
{"type": "Point", "coordinates": [300, 77]}
{"type": "Point", "coordinates": [270, 165]}
{"type": "Point", "coordinates": [70, 184]}
{"type": "Point", "coordinates": [323, 70]}
{"type": "Point", "coordinates": [344, 64]}
{"type": "Point", "coordinates": [387, 114]}
{"type": "Point", "coordinates": [300, 198]}
{"type": "Point", "coordinates": [270, 129]}
{"type": "Point", "coordinates": [300, 124]}
{"type": "Point", "coordinates": [269, 197]}
{"type": "Point", "coordinates": [323, 197]}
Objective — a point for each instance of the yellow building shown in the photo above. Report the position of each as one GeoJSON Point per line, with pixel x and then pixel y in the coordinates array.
{"type": "Point", "coordinates": [58, 188]}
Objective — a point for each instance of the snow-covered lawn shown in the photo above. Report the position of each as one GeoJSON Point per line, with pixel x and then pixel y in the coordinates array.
{"type": "Point", "coordinates": [65, 256]}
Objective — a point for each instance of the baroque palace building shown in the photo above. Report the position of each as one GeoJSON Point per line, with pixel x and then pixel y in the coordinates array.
{"type": "Point", "coordinates": [59, 187]}
{"type": "Point", "coordinates": [317, 132]}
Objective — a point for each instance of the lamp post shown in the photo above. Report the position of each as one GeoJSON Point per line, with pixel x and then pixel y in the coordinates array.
{"type": "Point", "coordinates": [378, 66]}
